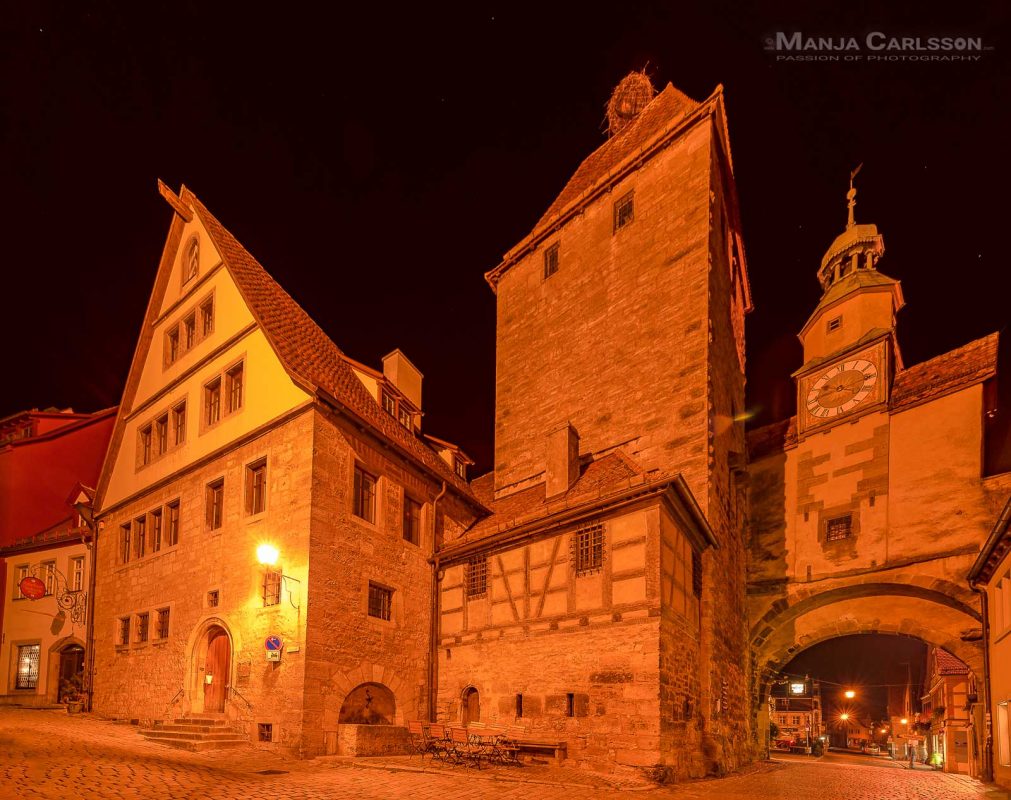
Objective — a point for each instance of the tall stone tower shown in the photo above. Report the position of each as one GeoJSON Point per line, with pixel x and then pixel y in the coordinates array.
{"type": "Point", "coordinates": [622, 314]}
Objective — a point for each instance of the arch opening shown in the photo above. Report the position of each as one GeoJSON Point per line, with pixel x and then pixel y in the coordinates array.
{"type": "Point", "coordinates": [369, 704]}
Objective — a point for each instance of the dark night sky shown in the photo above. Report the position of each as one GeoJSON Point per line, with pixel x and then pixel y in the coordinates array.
{"type": "Point", "coordinates": [378, 161]}
{"type": "Point", "coordinates": [866, 663]}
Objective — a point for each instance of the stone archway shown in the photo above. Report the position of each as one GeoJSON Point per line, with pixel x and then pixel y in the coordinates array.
{"type": "Point", "coordinates": [212, 649]}
{"type": "Point", "coordinates": [368, 704]}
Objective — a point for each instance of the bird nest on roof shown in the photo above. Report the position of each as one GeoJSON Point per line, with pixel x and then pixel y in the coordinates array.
{"type": "Point", "coordinates": [628, 100]}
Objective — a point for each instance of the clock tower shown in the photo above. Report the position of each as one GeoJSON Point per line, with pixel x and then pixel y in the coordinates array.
{"type": "Point", "coordinates": [850, 348]}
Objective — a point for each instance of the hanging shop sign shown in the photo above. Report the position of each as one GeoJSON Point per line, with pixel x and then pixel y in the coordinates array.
{"type": "Point", "coordinates": [32, 587]}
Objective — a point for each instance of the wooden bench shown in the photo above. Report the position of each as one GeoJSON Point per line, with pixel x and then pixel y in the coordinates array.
{"type": "Point", "coordinates": [543, 747]}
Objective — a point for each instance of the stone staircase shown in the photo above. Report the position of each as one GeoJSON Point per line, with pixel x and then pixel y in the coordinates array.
{"type": "Point", "coordinates": [195, 733]}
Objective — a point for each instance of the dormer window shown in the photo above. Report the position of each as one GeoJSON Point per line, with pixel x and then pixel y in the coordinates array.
{"type": "Point", "coordinates": [461, 468]}
{"type": "Point", "coordinates": [389, 404]}
{"type": "Point", "coordinates": [834, 324]}
{"type": "Point", "coordinates": [404, 417]}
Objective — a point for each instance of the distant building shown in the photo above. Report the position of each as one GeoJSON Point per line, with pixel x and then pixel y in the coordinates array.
{"type": "Point", "coordinates": [992, 573]}
{"type": "Point", "coordinates": [946, 706]}
{"type": "Point", "coordinates": [48, 461]}
{"type": "Point", "coordinates": [797, 711]}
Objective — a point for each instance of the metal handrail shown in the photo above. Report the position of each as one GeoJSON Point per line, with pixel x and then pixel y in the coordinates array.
{"type": "Point", "coordinates": [239, 694]}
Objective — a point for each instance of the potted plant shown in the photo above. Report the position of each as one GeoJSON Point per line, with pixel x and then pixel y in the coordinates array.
{"type": "Point", "coordinates": [72, 693]}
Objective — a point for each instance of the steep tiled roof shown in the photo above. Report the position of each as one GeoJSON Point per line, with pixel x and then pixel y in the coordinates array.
{"type": "Point", "coordinates": [946, 373]}
{"type": "Point", "coordinates": [669, 105]}
{"type": "Point", "coordinates": [947, 664]}
{"type": "Point", "coordinates": [608, 475]}
{"type": "Point", "coordinates": [306, 351]}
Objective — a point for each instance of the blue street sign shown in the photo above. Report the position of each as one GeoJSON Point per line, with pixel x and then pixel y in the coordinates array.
{"type": "Point", "coordinates": [272, 643]}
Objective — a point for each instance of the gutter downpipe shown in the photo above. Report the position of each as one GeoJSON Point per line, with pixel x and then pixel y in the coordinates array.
{"type": "Point", "coordinates": [987, 720]}
{"type": "Point", "coordinates": [433, 629]}
{"type": "Point", "coordinates": [89, 635]}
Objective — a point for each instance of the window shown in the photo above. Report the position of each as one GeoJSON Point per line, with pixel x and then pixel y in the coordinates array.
{"type": "Point", "coordinates": [191, 262]}
{"type": "Point", "coordinates": [589, 546]}
{"type": "Point", "coordinates": [412, 520]}
{"type": "Point", "coordinates": [461, 468]}
{"type": "Point", "coordinates": [389, 404]}
{"type": "Point", "coordinates": [834, 324]}
{"type": "Point", "coordinates": [404, 417]}
{"type": "Point", "coordinates": [550, 261]}
{"type": "Point", "coordinates": [364, 495]}
{"type": "Point", "coordinates": [162, 624]}
{"type": "Point", "coordinates": [477, 577]}
{"type": "Point", "coordinates": [161, 434]}
{"type": "Point", "coordinates": [207, 317]}
{"type": "Point", "coordinates": [271, 587]}
{"type": "Point", "coordinates": [156, 526]}
{"type": "Point", "coordinates": [838, 528]}
{"type": "Point", "coordinates": [570, 705]}
{"type": "Point", "coordinates": [124, 543]}
{"type": "Point", "coordinates": [212, 401]}
{"type": "Point", "coordinates": [796, 719]}
{"type": "Point", "coordinates": [172, 346]}
{"type": "Point", "coordinates": [139, 536]}
{"type": "Point", "coordinates": [179, 424]}
{"type": "Point", "coordinates": [265, 731]}
{"type": "Point", "coordinates": [23, 571]}
{"type": "Point", "coordinates": [624, 211]}
{"type": "Point", "coordinates": [48, 570]}
{"type": "Point", "coordinates": [213, 598]}
{"type": "Point", "coordinates": [143, 623]}
{"type": "Point", "coordinates": [28, 666]}
{"type": "Point", "coordinates": [77, 574]}
{"type": "Point", "coordinates": [519, 705]}
{"type": "Point", "coordinates": [190, 331]}
{"type": "Point", "coordinates": [173, 523]}
{"type": "Point", "coordinates": [145, 445]}
{"type": "Point", "coordinates": [256, 487]}
{"type": "Point", "coordinates": [215, 503]}
{"type": "Point", "coordinates": [380, 601]}
{"type": "Point", "coordinates": [234, 382]}
{"type": "Point", "coordinates": [123, 631]}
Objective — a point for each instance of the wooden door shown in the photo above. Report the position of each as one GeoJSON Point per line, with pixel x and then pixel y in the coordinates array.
{"type": "Point", "coordinates": [471, 707]}
{"type": "Point", "coordinates": [216, 672]}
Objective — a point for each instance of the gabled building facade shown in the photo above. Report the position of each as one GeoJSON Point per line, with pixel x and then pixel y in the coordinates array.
{"type": "Point", "coordinates": [267, 513]}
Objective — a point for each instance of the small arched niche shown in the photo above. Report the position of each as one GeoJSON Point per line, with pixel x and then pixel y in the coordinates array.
{"type": "Point", "coordinates": [369, 704]}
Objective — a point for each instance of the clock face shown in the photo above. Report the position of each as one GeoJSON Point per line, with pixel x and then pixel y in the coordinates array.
{"type": "Point", "coordinates": [842, 388]}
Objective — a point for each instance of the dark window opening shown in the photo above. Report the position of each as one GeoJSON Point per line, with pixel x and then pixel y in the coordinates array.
{"type": "Point", "coordinates": [124, 543]}
{"type": "Point", "coordinates": [143, 624]}
{"type": "Point", "coordinates": [213, 598]}
{"type": "Point", "coordinates": [145, 445]}
{"type": "Point", "coordinates": [838, 528]}
{"type": "Point", "coordinates": [162, 629]}
{"type": "Point", "coordinates": [156, 530]}
{"type": "Point", "coordinates": [264, 732]}
{"type": "Point", "coordinates": [624, 211]}
{"type": "Point", "coordinates": [123, 634]}
{"type": "Point", "coordinates": [380, 601]}
{"type": "Point", "coordinates": [389, 404]}
{"type": "Point", "coordinates": [212, 401]}
{"type": "Point", "coordinates": [412, 521]}
{"type": "Point", "coordinates": [834, 324]}
{"type": "Point", "coordinates": [364, 495]}
{"type": "Point", "coordinates": [140, 536]}
{"type": "Point", "coordinates": [173, 523]}
{"type": "Point", "coordinates": [161, 434]}
{"type": "Point", "coordinates": [215, 503]}
{"type": "Point", "coordinates": [570, 705]}
{"type": "Point", "coordinates": [519, 705]}
{"type": "Point", "coordinates": [550, 261]}
{"type": "Point", "coordinates": [589, 548]}
{"type": "Point", "coordinates": [256, 487]}
{"type": "Point", "coordinates": [235, 377]}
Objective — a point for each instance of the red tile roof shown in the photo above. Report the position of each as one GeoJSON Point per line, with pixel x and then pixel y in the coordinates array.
{"type": "Point", "coordinates": [306, 351]}
{"type": "Point", "coordinates": [669, 105]}
{"type": "Point", "coordinates": [598, 479]}
{"type": "Point", "coordinates": [947, 664]}
{"type": "Point", "coordinates": [946, 373]}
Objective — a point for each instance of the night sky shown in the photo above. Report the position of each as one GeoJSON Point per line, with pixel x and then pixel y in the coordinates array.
{"type": "Point", "coordinates": [379, 160]}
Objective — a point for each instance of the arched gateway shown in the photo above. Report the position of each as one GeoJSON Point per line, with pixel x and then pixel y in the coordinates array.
{"type": "Point", "coordinates": [210, 667]}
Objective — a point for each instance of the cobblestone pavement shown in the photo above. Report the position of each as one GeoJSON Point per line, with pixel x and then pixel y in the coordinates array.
{"type": "Point", "coordinates": [47, 754]}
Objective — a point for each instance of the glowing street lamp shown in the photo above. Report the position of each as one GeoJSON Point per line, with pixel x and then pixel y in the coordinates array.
{"type": "Point", "coordinates": [268, 555]}
{"type": "Point", "coordinates": [844, 716]}
{"type": "Point", "coordinates": [850, 694]}
{"type": "Point", "coordinates": [904, 721]}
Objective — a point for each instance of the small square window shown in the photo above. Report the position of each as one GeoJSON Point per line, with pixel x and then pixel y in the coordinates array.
{"type": "Point", "coordinates": [256, 487]}
{"type": "Point", "coordinates": [624, 211]}
{"type": "Point", "coordinates": [234, 378]}
{"type": "Point", "coordinates": [839, 528]}
{"type": "Point", "coordinates": [589, 548]}
{"type": "Point", "coordinates": [215, 503]}
{"type": "Point", "coordinates": [551, 261]}
{"type": "Point", "coordinates": [264, 732]}
{"type": "Point", "coordinates": [212, 401]}
{"type": "Point", "coordinates": [364, 501]}
{"type": "Point", "coordinates": [213, 598]}
{"type": "Point", "coordinates": [412, 520]}
{"type": "Point", "coordinates": [380, 601]}
{"type": "Point", "coordinates": [477, 577]}
{"type": "Point", "coordinates": [271, 587]}
{"type": "Point", "coordinates": [834, 324]}
{"type": "Point", "coordinates": [143, 624]}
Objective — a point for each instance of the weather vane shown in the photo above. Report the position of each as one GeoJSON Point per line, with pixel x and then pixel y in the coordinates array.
{"type": "Point", "coordinates": [851, 195]}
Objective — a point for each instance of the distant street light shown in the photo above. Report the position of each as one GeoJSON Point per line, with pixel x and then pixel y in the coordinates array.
{"type": "Point", "coordinates": [844, 716]}
{"type": "Point", "coordinates": [850, 694]}
{"type": "Point", "coordinates": [904, 721]}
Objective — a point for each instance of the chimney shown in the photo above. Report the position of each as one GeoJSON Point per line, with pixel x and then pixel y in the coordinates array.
{"type": "Point", "coordinates": [404, 375]}
{"type": "Point", "coordinates": [562, 458]}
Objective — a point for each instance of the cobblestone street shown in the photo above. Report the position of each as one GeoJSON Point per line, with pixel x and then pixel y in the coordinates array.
{"type": "Point", "coordinates": [46, 754]}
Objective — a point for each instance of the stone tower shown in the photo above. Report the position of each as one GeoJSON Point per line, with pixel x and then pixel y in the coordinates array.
{"type": "Point", "coordinates": [622, 314]}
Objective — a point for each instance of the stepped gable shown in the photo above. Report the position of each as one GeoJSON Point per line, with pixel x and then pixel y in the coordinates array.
{"type": "Point", "coordinates": [310, 356]}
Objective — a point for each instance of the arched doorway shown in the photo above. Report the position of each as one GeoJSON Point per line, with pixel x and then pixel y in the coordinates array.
{"type": "Point", "coordinates": [217, 669]}
{"type": "Point", "coordinates": [368, 704]}
{"type": "Point", "coordinates": [471, 705]}
{"type": "Point", "coordinates": [71, 671]}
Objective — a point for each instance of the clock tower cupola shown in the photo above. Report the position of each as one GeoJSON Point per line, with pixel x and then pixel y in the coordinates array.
{"type": "Point", "coordinates": [850, 349]}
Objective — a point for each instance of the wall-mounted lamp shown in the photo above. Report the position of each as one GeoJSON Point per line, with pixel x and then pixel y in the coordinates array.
{"type": "Point", "coordinates": [268, 555]}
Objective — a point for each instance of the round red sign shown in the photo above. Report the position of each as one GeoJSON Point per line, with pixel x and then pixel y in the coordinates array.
{"type": "Point", "coordinates": [31, 587]}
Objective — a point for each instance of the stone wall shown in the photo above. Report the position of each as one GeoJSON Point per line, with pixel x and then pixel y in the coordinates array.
{"type": "Point", "coordinates": [141, 681]}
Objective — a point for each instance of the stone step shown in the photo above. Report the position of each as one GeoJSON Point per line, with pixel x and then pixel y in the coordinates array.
{"type": "Point", "coordinates": [197, 746]}
{"type": "Point", "coordinates": [173, 726]}
{"type": "Point", "coordinates": [156, 733]}
{"type": "Point", "coordinates": [198, 720]}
